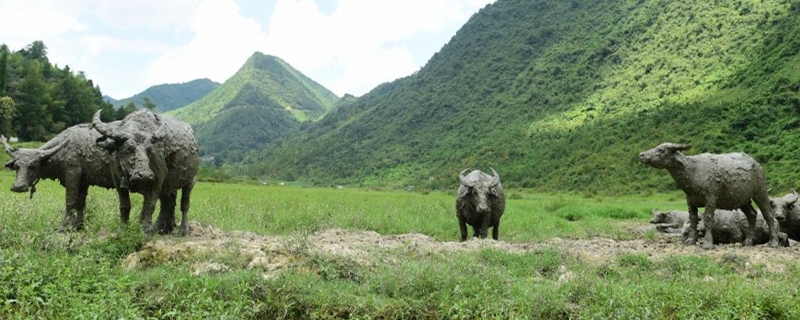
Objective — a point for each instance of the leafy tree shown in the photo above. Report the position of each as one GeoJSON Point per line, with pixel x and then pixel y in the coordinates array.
{"type": "Point", "coordinates": [36, 51]}
{"type": "Point", "coordinates": [149, 105]}
{"type": "Point", "coordinates": [123, 111]}
{"type": "Point", "coordinates": [6, 115]}
{"type": "Point", "coordinates": [3, 69]}
{"type": "Point", "coordinates": [32, 119]}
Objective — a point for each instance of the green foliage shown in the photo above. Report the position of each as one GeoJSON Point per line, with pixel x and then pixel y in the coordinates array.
{"type": "Point", "coordinates": [167, 97]}
{"type": "Point", "coordinates": [562, 95]}
{"type": "Point", "coordinates": [265, 100]}
{"type": "Point", "coordinates": [47, 99]}
{"type": "Point", "coordinates": [44, 274]}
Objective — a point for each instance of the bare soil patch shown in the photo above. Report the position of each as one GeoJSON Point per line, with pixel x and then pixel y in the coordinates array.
{"type": "Point", "coordinates": [213, 250]}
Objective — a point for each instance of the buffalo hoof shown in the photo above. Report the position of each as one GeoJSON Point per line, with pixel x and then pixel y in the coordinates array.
{"type": "Point", "coordinates": [690, 241]}
{"type": "Point", "coordinates": [707, 246]}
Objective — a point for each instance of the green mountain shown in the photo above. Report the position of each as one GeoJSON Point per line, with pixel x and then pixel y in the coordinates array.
{"type": "Point", "coordinates": [563, 95]}
{"type": "Point", "coordinates": [265, 100]}
{"type": "Point", "coordinates": [171, 96]}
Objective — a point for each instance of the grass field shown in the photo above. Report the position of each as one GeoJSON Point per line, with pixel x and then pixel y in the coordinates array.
{"type": "Point", "coordinates": [50, 275]}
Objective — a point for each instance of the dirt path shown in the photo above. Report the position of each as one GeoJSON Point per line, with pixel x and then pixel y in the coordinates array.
{"type": "Point", "coordinates": [211, 249]}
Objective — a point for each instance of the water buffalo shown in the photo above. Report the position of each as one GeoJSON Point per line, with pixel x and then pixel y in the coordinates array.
{"type": "Point", "coordinates": [787, 212]}
{"type": "Point", "coordinates": [480, 203]}
{"type": "Point", "coordinates": [71, 158]}
{"type": "Point", "coordinates": [730, 226]}
{"type": "Point", "coordinates": [715, 181]}
{"type": "Point", "coordinates": [669, 221]}
{"type": "Point", "coordinates": [155, 156]}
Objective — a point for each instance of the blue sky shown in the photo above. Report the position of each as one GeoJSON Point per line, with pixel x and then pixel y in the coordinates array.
{"type": "Point", "coordinates": [126, 46]}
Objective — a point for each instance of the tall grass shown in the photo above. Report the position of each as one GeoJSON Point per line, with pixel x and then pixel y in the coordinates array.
{"type": "Point", "coordinates": [45, 274]}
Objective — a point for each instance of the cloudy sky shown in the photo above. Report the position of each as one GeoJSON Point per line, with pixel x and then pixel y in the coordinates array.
{"type": "Point", "coordinates": [126, 46]}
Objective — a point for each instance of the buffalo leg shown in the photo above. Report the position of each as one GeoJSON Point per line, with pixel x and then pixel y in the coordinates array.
{"type": "Point", "coordinates": [751, 215]}
{"type": "Point", "coordinates": [71, 204]}
{"type": "Point", "coordinates": [693, 220]}
{"type": "Point", "coordinates": [186, 194]}
{"type": "Point", "coordinates": [83, 192]}
{"type": "Point", "coordinates": [124, 205]}
{"type": "Point", "coordinates": [166, 216]}
{"type": "Point", "coordinates": [762, 201]}
{"type": "Point", "coordinates": [708, 219]}
{"type": "Point", "coordinates": [485, 226]}
{"type": "Point", "coordinates": [462, 225]}
{"type": "Point", "coordinates": [496, 230]}
{"type": "Point", "coordinates": [148, 207]}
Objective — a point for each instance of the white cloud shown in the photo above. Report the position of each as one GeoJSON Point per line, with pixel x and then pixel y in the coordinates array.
{"type": "Point", "coordinates": [150, 14]}
{"type": "Point", "coordinates": [349, 46]}
{"type": "Point", "coordinates": [365, 41]}
{"type": "Point", "coordinates": [25, 21]}
{"type": "Point", "coordinates": [223, 41]}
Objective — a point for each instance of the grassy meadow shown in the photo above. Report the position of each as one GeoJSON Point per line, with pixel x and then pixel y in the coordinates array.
{"type": "Point", "coordinates": [78, 275]}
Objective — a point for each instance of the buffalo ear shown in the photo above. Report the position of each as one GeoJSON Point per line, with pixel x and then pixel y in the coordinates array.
{"type": "Point", "coordinates": [107, 144]}
{"type": "Point", "coordinates": [10, 164]}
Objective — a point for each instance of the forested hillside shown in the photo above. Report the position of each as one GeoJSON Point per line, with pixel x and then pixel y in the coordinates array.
{"type": "Point", "coordinates": [562, 95]}
{"type": "Point", "coordinates": [265, 100]}
{"type": "Point", "coordinates": [170, 96]}
{"type": "Point", "coordinates": [39, 99]}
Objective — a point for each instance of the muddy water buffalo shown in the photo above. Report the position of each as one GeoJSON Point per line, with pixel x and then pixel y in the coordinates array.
{"type": "Point", "coordinates": [155, 156]}
{"type": "Point", "coordinates": [669, 221]}
{"type": "Point", "coordinates": [715, 181]}
{"type": "Point", "coordinates": [480, 203]}
{"type": "Point", "coordinates": [786, 210]}
{"type": "Point", "coordinates": [730, 226]}
{"type": "Point", "coordinates": [71, 158]}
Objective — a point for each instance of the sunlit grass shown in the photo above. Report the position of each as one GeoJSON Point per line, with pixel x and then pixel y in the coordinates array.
{"type": "Point", "coordinates": [45, 274]}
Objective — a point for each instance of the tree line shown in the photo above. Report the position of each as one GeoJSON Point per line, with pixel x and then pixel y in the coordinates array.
{"type": "Point", "coordinates": [39, 99]}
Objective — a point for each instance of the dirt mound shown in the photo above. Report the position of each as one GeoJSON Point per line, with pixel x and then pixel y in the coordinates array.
{"type": "Point", "coordinates": [211, 250]}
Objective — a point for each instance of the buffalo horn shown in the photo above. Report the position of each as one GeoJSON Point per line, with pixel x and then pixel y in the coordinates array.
{"type": "Point", "coordinates": [495, 179]}
{"type": "Point", "coordinates": [463, 178]}
{"type": "Point", "coordinates": [794, 197]}
{"type": "Point", "coordinates": [102, 127]}
{"type": "Point", "coordinates": [8, 148]}
{"type": "Point", "coordinates": [47, 153]}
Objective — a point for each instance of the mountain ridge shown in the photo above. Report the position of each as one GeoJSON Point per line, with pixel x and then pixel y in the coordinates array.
{"type": "Point", "coordinates": [265, 100]}
{"type": "Point", "coordinates": [563, 95]}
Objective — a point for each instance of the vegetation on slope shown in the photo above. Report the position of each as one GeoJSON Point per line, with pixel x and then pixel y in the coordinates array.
{"type": "Point", "coordinates": [90, 273]}
{"type": "Point", "coordinates": [562, 95]}
{"type": "Point", "coordinates": [171, 96]}
{"type": "Point", "coordinates": [266, 99]}
{"type": "Point", "coordinates": [39, 99]}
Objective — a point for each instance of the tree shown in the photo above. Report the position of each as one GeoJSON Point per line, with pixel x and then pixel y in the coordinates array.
{"type": "Point", "coordinates": [124, 111]}
{"type": "Point", "coordinates": [32, 120]}
{"type": "Point", "coordinates": [149, 104]}
{"type": "Point", "coordinates": [6, 114]}
{"type": "Point", "coordinates": [3, 69]}
{"type": "Point", "coordinates": [36, 51]}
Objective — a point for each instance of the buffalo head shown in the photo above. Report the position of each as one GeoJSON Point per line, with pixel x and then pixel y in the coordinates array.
{"type": "Point", "coordinates": [479, 188]}
{"type": "Point", "coordinates": [28, 163]}
{"type": "Point", "coordinates": [663, 155]}
{"type": "Point", "coordinates": [784, 206]}
{"type": "Point", "coordinates": [131, 141]}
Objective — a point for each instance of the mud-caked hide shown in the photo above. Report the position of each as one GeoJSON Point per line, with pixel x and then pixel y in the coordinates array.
{"type": "Point", "coordinates": [72, 159]}
{"type": "Point", "coordinates": [480, 203]}
{"type": "Point", "coordinates": [670, 221]}
{"type": "Point", "coordinates": [730, 226]}
{"type": "Point", "coordinates": [786, 210]}
{"type": "Point", "coordinates": [715, 181]}
{"type": "Point", "coordinates": [154, 155]}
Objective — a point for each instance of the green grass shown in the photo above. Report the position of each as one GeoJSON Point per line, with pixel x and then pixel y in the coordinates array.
{"type": "Point", "coordinates": [44, 274]}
